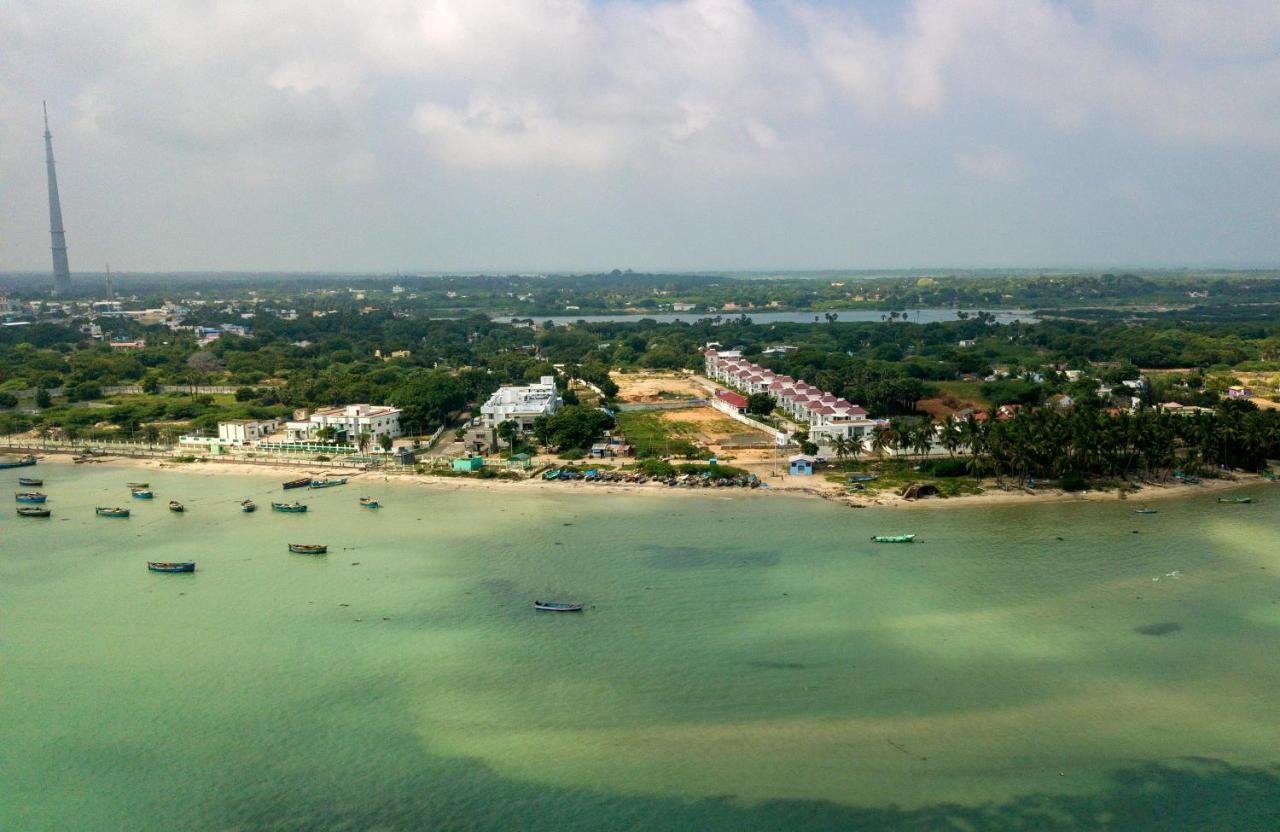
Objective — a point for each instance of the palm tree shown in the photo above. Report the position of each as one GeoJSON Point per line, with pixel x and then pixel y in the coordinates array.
{"type": "Point", "coordinates": [841, 446]}
{"type": "Point", "coordinates": [882, 439]}
{"type": "Point", "coordinates": [363, 441]}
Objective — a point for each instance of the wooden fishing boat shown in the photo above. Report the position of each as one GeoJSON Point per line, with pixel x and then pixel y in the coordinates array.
{"type": "Point", "coordinates": [171, 566]}
{"type": "Point", "coordinates": [552, 474]}
{"type": "Point", "coordinates": [863, 477]}
{"type": "Point", "coordinates": [137, 485]}
{"type": "Point", "coordinates": [248, 506]}
{"type": "Point", "coordinates": [1240, 500]}
{"type": "Point", "coordinates": [33, 511]}
{"type": "Point", "coordinates": [328, 483]}
{"type": "Point", "coordinates": [30, 481]}
{"type": "Point", "coordinates": [17, 462]}
{"type": "Point", "coordinates": [893, 538]}
{"type": "Point", "coordinates": [111, 512]}
{"type": "Point", "coordinates": [308, 548]}
{"type": "Point", "coordinates": [142, 494]}
{"type": "Point", "coordinates": [1146, 511]}
{"type": "Point", "coordinates": [556, 606]}
{"type": "Point", "coordinates": [176, 507]}
{"type": "Point", "coordinates": [301, 482]}
{"type": "Point", "coordinates": [289, 508]}
{"type": "Point", "coordinates": [369, 502]}
{"type": "Point", "coordinates": [30, 497]}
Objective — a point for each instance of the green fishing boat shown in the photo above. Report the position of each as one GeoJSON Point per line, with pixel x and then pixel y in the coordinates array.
{"type": "Point", "coordinates": [893, 538]}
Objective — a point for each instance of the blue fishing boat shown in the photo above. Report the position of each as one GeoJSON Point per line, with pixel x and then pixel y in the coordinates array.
{"type": "Point", "coordinates": [30, 481]}
{"type": "Point", "coordinates": [369, 502]}
{"type": "Point", "coordinates": [308, 548]}
{"type": "Point", "coordinates": [552, 474]}
{"type": "Point", "coordinates": [30, 497]}
{"type": "Point", "coordinates": [171, 566]}
{"type": "Point", "coordinates": [556, 606]}
{"type": "Point", "coordinates": [1146, 511]}
{"type": "Point", "coordinates": [289, 508]}
{"type": "Point", "coordinates": [142, 494]}
{"type": "Point", "coordinates": [17, 462]}
{"type": "Point", "coordinates": [248, 506]}
{"type": "Point", "coordinates": [328, 483]}
{"type": "Point", "coordinates": [111, 512]}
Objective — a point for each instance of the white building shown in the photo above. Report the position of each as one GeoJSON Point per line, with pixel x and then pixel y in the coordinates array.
{"type": "Point", "coordinates": [521, 404]}
{"type": "Point", "coordinates": [348, 423]}
{"type": "Point", "coordinates": [246, 431]}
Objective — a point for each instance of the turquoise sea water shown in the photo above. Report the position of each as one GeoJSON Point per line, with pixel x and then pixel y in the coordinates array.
{"type": "Point", "coordinates": [746, 662]}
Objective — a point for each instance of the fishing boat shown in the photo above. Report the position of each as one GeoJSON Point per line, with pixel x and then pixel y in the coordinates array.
{"type": "Point", "coordinates": [142, 494]}
{"type": "Point", "coordinates": [863, 477]}
{"type": "Point", "coordinates": [30, 481]}
{"type": "Point", "coordinates": [552, 474]}
{"type": "Point", "coordinates": [30, 497]}
{"type": "Point", "coordinates": [111, 512]}
{"type": "Point", "coordinates": [289, 508]}
{"type": "Point", "coordinates": [171, 566]}
{"type": "Point", "coordinates": [308, 548]}
{"type": "Point", "coordinates": [369, 502]}
{"type": "Point", "coordinates": [328, 483]}
{"type": "Point", "coordinates": [176, 507]}
{"type": "Point", "coordinates": [893, 538]}
{"type": "Point", "coordinates": [248, 506]}
{"type": "Point", "coordinates": [33, 511]}
{"type": "Point", "coordinates": [19, 462]}
{"type": "Point", "coordinates": [1146, 511]}
{"type": "Point", "coordinates": [136, 485]}
{"type": "Point", "coordinates": [301, 482]}
{"type": "Point", "coordinates": [1240, 500]}
{"type": "Point", "coordinates": [555, 606]}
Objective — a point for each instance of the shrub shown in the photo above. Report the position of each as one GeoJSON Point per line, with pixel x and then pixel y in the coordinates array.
{"type": "Point", "coordinates": [1074, 482]}
{"type": "Point", "coordinates": [945, 467]}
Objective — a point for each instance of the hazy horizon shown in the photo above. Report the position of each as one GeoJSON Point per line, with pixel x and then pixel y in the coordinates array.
{"type": "Point", "coordinates": [568, 136]}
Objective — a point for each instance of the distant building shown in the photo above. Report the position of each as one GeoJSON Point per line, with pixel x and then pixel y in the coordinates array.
{"type": "Point", "coordinates": [735, 400]}
{"type": "Point", "coordinates": [966, 343]}
{"type": "Point", "coordinates": [1239, 393]}
{"type": "Point", "coordinates": [246, 431]}
{"type": "Point", "coordinates": [521, 404]}
{"type": "Point", "coordinates": [348, 423]}
{"type": "Point", "coordinates": [468, 463]}
{"type": "Point", "coordinates": [128, 345]}
{"type": "Point", "coordinates": [802, 465]}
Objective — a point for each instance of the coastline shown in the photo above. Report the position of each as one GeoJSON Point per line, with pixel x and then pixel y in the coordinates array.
{"type": "Point", "coordinates": [788, 485]}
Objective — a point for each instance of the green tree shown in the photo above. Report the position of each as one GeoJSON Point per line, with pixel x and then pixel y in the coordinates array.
{"type": "Point", "coordinates": [43, 399]}
{"type": "Point", "coordinates": [385, 442]}
{"type": "Point", "coordinates": [761, 404]}
{"type": "Point", "coordinates": [510, 431]}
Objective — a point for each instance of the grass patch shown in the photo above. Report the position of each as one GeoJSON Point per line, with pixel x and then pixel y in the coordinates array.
{"type": "Point", "coordinates": [963, 390]}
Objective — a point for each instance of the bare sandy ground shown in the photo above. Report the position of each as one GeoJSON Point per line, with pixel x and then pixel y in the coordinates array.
{"type": "Point", "coordinates": [646, 386]}
{"type": "Point", "coordinates": [777, 485]}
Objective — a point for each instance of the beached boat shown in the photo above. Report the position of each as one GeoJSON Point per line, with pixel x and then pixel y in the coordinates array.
{"type": "Point", "coordinates": [142, 494]}
{"type": "Point", "coordinates": [111, 512]}
{"type": "Point", "coordinates": [308, 548]}
{"type": "Point", "coordinates": [33, 511]}
{"type": "Point", "coordinates": [176, 506]}
{"type": "Point", "coordinates": [171, 566]}
{"type": "Point", "coordinates": [1146, 511]}
{"type": "Point", "coordinates": [555, 606]}
{"type": "Point", "coordinates": [17, 462]}
{"type": "Point", "coordinates": [248, 506]}
{"type": "Point", "coordinates": [1235, 500]}
{"type": "Point", "coordinates": [30, 497]}
{"type": "Point", "coordinates": [289, 508]}
{"type": "Point", "coordinates": [863, 477]}
{"type": "Point", "coordinates": [30, 481]}
{"type": "Point", "coordinates": [328, 483]}
{"type": "Point", "coordinates": [552, 474]}
{"type": "Point", "coordinates": [301, 482]}
{"type": "Point", "coordinates": [369, 502]}
{"type": "Point", "coordinates": [137, 485]}
{"type": "Point", "coordinates": [893, 538]}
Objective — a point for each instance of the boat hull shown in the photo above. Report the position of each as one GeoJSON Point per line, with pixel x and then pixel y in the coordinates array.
{"type": "Point", "coordinates": [24, 462]}
{"type": "Point", "coordinates": [159, 566]}
{"type": "Point", "coordinates": [299, 483]}
{"type": "Point", "coordinates": [111, 512]}
{"type": "Point", "coordinates": [248, 508]}
{"type": "Point", "coordinates": [893, 538]}
{"type": "Point", "coordinates": [30, 481]}
{"type": "Point", "coordinates": [177, 508]}
{"type": "Point", "coordinates": [32, 511]}
{"type": "Point", "coordinates": [552, 606]}
{"type": "Point", "coordinates": [327, 483]}
{"type": "Point", "coordinates": [308, 549]}
{"type": "Point", "coordinates": [31, 497]}
{"type": "Point", "coordinates": [289, 509]}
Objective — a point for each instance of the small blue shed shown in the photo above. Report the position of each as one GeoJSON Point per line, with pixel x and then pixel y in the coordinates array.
{"type": "Point", "coordinates": [802, 465]}
{"type": "Point", "coordinates": [468, 463]}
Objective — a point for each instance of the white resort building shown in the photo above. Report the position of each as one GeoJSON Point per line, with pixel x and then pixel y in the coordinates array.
{"type": "Point", "coordinates": [521, 404]}
{"type": "Point", "coordinates": [246, 431]}
{"type": "Point", "coordinates": [827, 415]}
{"type": "Point", "coordinates": [348, 423]}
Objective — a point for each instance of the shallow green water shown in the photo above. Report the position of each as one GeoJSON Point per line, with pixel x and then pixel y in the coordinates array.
{"type": "Point", "coordinates": [750, 662]}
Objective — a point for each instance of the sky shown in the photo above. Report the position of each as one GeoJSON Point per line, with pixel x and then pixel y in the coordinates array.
{"type": "Point", "coordinates": [540, 135]}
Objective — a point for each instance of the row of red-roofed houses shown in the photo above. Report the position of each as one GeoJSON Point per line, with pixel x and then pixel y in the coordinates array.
{"type": "Point", "coordinates": [827, 415]}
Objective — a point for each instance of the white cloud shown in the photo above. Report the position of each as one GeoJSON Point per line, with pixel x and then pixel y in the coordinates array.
{"type": "Point", "coordinates": [990, 162]}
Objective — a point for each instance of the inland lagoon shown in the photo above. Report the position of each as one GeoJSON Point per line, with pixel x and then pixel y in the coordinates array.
{"type": "Point", "coordinates": [744, 662]}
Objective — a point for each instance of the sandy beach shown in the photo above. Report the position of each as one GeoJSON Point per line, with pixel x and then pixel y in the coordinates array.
{"type": "Point", "coordinates": [776, 484]}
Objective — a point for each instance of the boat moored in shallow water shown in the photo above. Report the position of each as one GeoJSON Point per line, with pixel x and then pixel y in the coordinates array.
{"type": "Point", "coordinates": [33, 511]}
{"type": "Point", "coordinates": [17, 462]}
{"type": "Point", "coordinates": [30, 481]}
{"type": "Point", "coordinates": [301, 482]}
{"type": "Point", "coordinates": [308, 548]}
{"type": "Point", "coordinates": [1237, 500]}
{"type": "Point", "coordinates": [103, 511]}
{"type": "Point", "coordinates": [893, 538]}
{"type": "Point", "coordinates": [328, 483]}
{"type": "Point", "coordinates": [248, 506]}
{"type": "Point", "coordinates": [1146, 511]}
{"type": "Point", "coordinates": [142, 494]}
{"type": "Point", "coordinates": [176, 507]}
{"type": "Point", "coordinates": [136, 485]}
{"type": "Point", "coordinates": [171, 566]}
{"type": "Point", "coordinates": [289, 508]}
{"type": "Point", "coordinates": [369, 502]}
{"type": "Point", "coordinates": [556, 606]}
{"type": "Point", "coordinates": [30, 497]}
